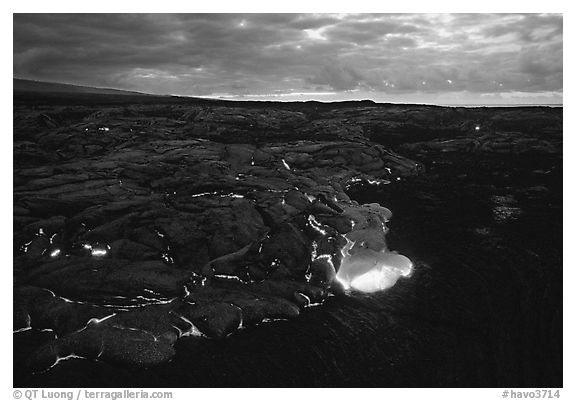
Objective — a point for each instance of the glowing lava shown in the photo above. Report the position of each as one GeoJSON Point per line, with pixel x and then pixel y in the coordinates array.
{"type": "Point", "coordinates": [367, 264]}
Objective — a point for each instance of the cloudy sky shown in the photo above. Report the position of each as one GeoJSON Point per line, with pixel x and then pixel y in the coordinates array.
{"type": "Point", "coordinates": [424, 58]}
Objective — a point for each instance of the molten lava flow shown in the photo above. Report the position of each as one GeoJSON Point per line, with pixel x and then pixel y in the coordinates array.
{"type": "Point", "coordinates": [367, 265]}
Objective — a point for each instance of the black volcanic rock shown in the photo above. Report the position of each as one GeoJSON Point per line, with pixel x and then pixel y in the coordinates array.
{"type": "Point", "coordinates": [142, 229]}
{"type": "Point", "coordinates": [158, 214]}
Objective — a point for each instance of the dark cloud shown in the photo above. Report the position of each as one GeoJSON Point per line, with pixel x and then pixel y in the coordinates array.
{"type": "Point", "coordinates": [528, 28]}
{"type": "Point", "coordinates": [252, 54]}
{"type": "Point", "coordinates": [366, 31]}
{"type": "Point", "coordinates": [338, 77]}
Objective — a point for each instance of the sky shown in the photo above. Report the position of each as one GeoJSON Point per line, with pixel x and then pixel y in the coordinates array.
{"type": "Point", "coordinates": [405, 58]}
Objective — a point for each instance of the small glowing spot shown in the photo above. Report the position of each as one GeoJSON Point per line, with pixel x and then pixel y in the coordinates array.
{"type": "Point", "coordinates": [328, 259]}
{"type": "Point", "coordinates": [41, 232]}
{"type": "Point", "coordinates": [99, 252]}
{"type": "Point", "coordinates": [55, 253]}
{"type": "Point", "coordinates": [95, 320]}
{"type": "Point", "coordinates": [203, 194]}
{"type": "Point", "coordinates": [423, 82]}
{"type": "Point", "coordinates": [23, 328]}
{"type": "Point", "coordinates": [69, 300]}
{"type": "Point", "coordinates": [315, 225]}
{"type": "Point", "coordinates": [378, 182]}
{"type": "Point", "coordinates": [25, 246]}
{"type": "Point", "coordinates": [286, 164]}
{"type": "Point", "coordinates": [477, 128]}
{"type": "Point", "coordinates": [352, 181]}
{"type": "Point", "coordinates": [193, 331]}
{"type": "Point", "coordinates": [449, 81]}
{"type": "Point", "coordinates": [105, 129]}
{"type": "Point", "coordinates": [269, 320]}
{"type": "Point", "coordinates": [229, 277]}
{"type": "Point", "coordinates": [64, 358]}
{"type": "Point", "coordinates": [306, 297]}
{"type": "Point", "coordinates": [314, 249]}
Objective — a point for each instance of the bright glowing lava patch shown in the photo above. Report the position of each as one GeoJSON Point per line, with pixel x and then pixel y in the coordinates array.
{"type": "Point", "coordinates": [367, 270]}
{"type": "Point", "coordinates": [367, 265]}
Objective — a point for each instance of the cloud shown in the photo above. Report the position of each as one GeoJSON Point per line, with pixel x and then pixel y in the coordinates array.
{"type": "Point", "coordinates": [368, 30]}
{"type": "Point", "coordinates": [239, 54]}
{"type": "Point", "coordinates": [338, 77]}
{"type": "Point", "coordinates": [528, 28]}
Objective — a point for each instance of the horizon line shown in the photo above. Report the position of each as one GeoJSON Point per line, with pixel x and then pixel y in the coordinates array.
{"type": "Point", "coordinates": [232, 99]}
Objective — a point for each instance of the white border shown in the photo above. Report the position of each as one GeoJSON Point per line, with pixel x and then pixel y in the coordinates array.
{"type": "Point", "coordinates": [303, 6]}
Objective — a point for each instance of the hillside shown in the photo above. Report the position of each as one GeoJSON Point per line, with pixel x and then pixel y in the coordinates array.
{"type": "Point", "coordinates": [25, 85]}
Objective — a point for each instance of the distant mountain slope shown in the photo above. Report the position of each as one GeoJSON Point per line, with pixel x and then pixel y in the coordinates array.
{"type": "Point", "coordinates": [25, 85]}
